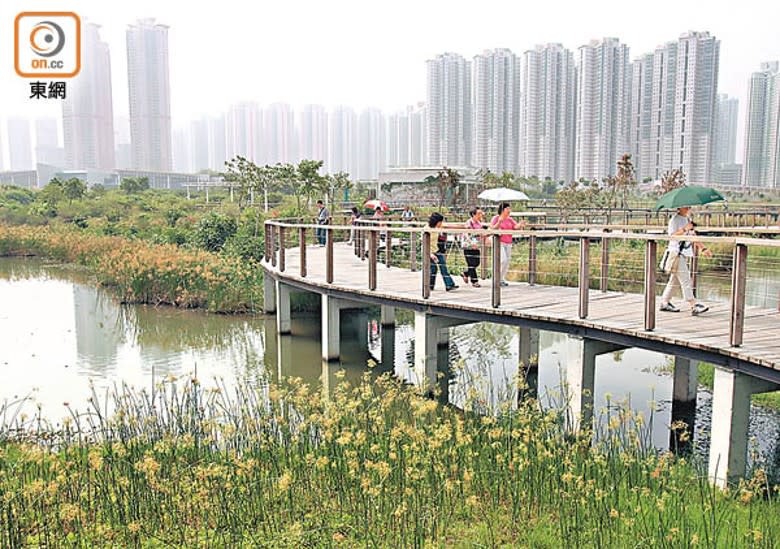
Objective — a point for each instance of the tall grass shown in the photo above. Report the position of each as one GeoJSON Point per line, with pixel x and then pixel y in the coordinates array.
{"type": "Point", "coordinates": [373, 464]}
{"type": "Point", "coordinates": [142, 272]}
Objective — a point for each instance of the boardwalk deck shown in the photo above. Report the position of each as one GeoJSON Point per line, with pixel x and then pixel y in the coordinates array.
{"type": "Point", "coordinates": [612, 315]}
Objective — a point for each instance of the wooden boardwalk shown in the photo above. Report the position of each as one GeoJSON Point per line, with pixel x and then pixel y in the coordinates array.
{"type": "Point", "coordinates": [612, 316]}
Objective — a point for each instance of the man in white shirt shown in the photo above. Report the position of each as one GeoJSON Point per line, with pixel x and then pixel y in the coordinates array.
{"type": "Point", "coordinates": [678, 255]}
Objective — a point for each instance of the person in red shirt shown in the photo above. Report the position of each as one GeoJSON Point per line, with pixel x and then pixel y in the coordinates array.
{"type": "Point", "coordinates": [504, 221]}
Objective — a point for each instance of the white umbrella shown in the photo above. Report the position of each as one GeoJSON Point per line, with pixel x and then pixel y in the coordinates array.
{"type": "Point", "coordinates": [502, 193]}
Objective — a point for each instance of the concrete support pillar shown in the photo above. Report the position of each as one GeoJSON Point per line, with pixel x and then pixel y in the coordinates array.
{"type": "Point", "coordinates": [331, 330]}
{"type": "Point", "coordinates": [730, 419]}
{"type": "Point", "coordinates": [580, 378]}
{"type": "Point", "coordinates": [388, 348]}
{"type": "Point", "coordinates": [426, 340]}
{"type": "Point", "coordinates": [529, 347]}
{"type": "Point", "coordinates": [431, 333]}
{"type": "Point", "coordinates": [683, 405]}
{"type": "Point", "coordinates": [387, 315]}
{"type": "Point", "coordinates": [269, 294]}
{"type": "Point", "coordinates": [284, 343]}
{"type": "Point", "coordinates": [283, 317]}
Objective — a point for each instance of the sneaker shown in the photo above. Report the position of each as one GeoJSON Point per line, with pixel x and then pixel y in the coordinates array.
{"type": "Point", "coordinates": [669, 308]}
{"type": "Point", "coordinates": [453, 287]}
{"type": "Point", "coordinates": [699, 308]}
{"type": "Point", "coordinates": [504, 283]}
{"type": "Point", "coordinates": [476, 284]}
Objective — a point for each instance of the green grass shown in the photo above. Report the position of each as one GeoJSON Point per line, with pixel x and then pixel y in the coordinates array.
{"type": "Point", "coordinates": [769, 400]}
{"type": "Point", "coordinates": [368, 465]}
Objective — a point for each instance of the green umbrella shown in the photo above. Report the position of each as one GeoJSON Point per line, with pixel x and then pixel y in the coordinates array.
{"type": "Point", "coordinates": [690, 195]}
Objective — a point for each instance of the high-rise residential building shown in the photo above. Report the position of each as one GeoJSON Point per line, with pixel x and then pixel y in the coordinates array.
{"type": "Point", "coordinates": [278, 142]}
{"type": "Point", "coordinates": [449, 110]}
{"type": "Point", "coordinates": [761, 166]}
{"type": "Point", "coordinates": [496, 110]}
{"type": "Point", "coordinates": [150, 96]}
{"type": "Point", "coordinates": [199, 145]}
{"type": "Point", "coordinates": [342, 141]}
{"type": "Point", "coordinates": [371, 151]}
{"type": "Point", "coordinates": [693, 145]}
{"type": "Point", "coordinates": [603, 80]}
{"type": "Point", "coordinates": [726, 130]}
{"type": "Point", "coordinates": [672, 115]}
{"type": "Point", "coordinates": [651, 111]}
{"type": "Point", "coordinates": [418, 135]}
{"type": "Point", "coordinates": [313, 134]}
{"type": "Point", "coordinates": [547, 113]}
{"type": "Point", "coordinates": [19, 144]}
{"type": "Point", "coordinates": [88, 110]}
{"type": "Point", "coordinates": [47, 143]}
{"type": "Point", "coordinates": [217, 143]}
{"type": "Point", "coordinates": [181, 144]}
{"type": "Point", "coordinates": [243, 131]}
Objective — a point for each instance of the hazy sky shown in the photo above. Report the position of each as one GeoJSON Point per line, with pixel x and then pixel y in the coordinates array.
{"type": "Point", "coordinates": [372, 53]}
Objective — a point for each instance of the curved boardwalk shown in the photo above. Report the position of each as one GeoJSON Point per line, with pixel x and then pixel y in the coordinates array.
{"type": "Point", "coordinates": [613, 316]}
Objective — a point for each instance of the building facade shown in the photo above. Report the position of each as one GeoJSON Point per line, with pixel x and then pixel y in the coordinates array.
{"type": "Point", "coordinates": [149, 93]}
{"type": "Point", "coordinates": [449, 117]}
{"type": "Point", "coordinates": [761, 166]}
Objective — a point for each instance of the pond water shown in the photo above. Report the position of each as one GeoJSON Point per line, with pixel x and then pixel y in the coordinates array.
{"type": "Point", "coordinates": [62, 338]}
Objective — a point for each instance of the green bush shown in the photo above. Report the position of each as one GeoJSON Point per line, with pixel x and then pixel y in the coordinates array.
{"type": "Point", "coordinates": [213, 231]}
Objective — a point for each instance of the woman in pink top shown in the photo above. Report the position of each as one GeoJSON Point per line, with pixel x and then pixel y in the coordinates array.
{"type": "Point", "coordinates": [503, 221]}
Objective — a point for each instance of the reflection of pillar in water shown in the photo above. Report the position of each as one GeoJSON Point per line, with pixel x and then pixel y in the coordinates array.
{"type": "Point", "coordinates": [271, 351]}
{"type": "Point", "coordinates": [528, 372]}
{"type": "Point", "coordinates": [443, 368]}
{"type": "Point", "coordinates": [683, 405]}
{"type": "Point", "coordinates": [99, 328]}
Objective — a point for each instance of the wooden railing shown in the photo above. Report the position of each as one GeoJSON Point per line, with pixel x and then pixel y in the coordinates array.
{"type": "Point", "coordinates": [366, 236]}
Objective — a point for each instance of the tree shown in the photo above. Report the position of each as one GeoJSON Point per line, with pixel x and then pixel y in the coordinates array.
{"type": "Point", "coordinates": [246, 175]}
{"type": "Point", "coordinates": [447, 182]}
{"type": "Point", "coordinates": [134, 184]}
{"type": "Point", "coordinates": [333, 184]}
{"type": "Point", "coordinates": [286, 175]}
{"type": "Point", "coordinates": [74, 189]}
{"type": "Point", "coordinates": [625, 181]}
{"type": "Point", "coordinates": [670, 180]}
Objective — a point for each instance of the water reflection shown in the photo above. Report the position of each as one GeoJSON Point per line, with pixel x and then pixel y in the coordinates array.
{"type": "Point", "coordinates": [59, 332]}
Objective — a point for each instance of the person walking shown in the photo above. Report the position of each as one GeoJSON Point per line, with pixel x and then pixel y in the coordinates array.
{"type": "Point", "coordinates": [439, 257]}
{"type": "Point", "coordinates": [677, 263]}
{"type": "Point", "coordinates": [323, 218]}
{"type": "Point", "coordinates": [504, 222]}
{"type": "Point", "coordinates": [353, 219]}
{"type": "Point", "coordinates": [471, 247]}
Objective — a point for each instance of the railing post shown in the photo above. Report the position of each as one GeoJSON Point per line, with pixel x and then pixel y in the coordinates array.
{"type": "Point", "coordinates": [282, 258]}
{"type": "Point", "coordinates": [738, 286]}
{"type": "Point", "coordinates": [388, 242]}
{"type": "Point", "coordinates": [532, 260]}
{"type": "Point", "coordinates": [328, 255]}
{"type": "Point", "coordinates": [273, 245]}
{"type": "Point", "coordinates": [362, 243]}
{"type": "Point", "coordinates": [604, 278]}
{"type": "Point", "coordinates": [483, 268]}
{"type": "Point", "coordinates": [694, 270]}
{"type": "Point", "coordinates": [267, 231]}
{"type": "Point", "coordinates": [496, 281]}
{"type": "Point", "coordinates": [426, 265]}
{"type": "Point", "coordinates": [651, 249]}
{"type": "Point", "coordinates": [584, 279]}
{"type": "Point", "coordinates": [302, 242]}
{"type": "Point", "coordinates": [372, 253]}
{"type": "Point", "coordinates": [413, 251]}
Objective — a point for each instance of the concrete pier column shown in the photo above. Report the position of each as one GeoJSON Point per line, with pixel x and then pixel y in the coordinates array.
{"type": "Point", "coordinates": [684, 387]}
{"type": "Point", "coordinates": [331, 329]}
{"type": "Point", "coordinates": [388, 348]}
{"type": "Point", "coordinates": [730, 419]}
{"type": "Point", "coordinates": [283, 318]}
{"type": "Point", "coordinates": [426, 341]}
{"type": "Point", "coordinates": [580, 378]}
{"type": "Point", "coordinates": [431, 334]}
{"type": "Point", "coordinates": [387, 315]}
{"type": "Point", "coordinates": [269, 294]}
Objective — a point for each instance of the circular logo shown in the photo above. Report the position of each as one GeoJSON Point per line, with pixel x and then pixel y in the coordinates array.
{"type": "Point", "coordinates": [47, 39]}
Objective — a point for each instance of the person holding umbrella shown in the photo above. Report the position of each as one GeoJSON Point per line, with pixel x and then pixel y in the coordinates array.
{"type": "Point", "coordinates": [503, 221]}
{"type": "Point", "coordinates": [679, 253]}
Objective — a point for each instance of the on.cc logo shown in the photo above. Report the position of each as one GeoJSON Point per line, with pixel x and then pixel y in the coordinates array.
{"type": "Point", "coordinates": [47, 39]}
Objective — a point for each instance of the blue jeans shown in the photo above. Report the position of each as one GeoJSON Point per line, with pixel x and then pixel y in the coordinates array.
{"type": "Point", "coordinates": [321, 236]}
{"type": "Point", "coordinates": [442, 266]}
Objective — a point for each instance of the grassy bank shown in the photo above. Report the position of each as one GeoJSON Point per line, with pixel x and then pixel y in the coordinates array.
{"type": "Point", "coordinates": [706, 378]}
{"type": "Point", "coordinates": [142, 272]}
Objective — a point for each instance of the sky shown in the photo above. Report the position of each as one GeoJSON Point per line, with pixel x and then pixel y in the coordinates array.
{"type": "Point", "coordinates": [372, 53]}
